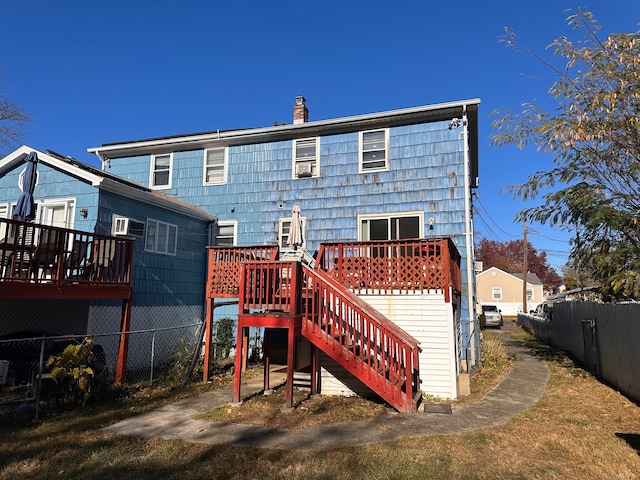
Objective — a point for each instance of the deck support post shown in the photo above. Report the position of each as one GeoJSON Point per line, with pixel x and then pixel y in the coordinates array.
{"type": "Point", "coordinates": [291, 361]}
{"type": "Point", "coordinates": [314, 369]}
{"type": "Point", "coordinates": [123, 349]}
{"type": "Point", "coordinates": [208, 318]}
{"type": "Point", "coordinates": [267, 357]}
{"type": "Point", "coordinates": [237, 379]}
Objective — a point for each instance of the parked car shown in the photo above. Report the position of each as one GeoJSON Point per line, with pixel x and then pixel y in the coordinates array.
{"type": "Point", "coordinates": [543, 310]}
{"type": "Point", "coordinates": [492, 315]}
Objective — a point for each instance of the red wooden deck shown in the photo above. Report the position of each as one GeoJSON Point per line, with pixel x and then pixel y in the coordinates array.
{"type": "Point", "coordinates": [321, 305]}
{"type": "Point", "coordinates": [43, 262]}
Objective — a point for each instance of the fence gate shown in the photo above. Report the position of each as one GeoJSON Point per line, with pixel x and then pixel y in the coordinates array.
{"type": "Point", "coordinates": [590, 346]}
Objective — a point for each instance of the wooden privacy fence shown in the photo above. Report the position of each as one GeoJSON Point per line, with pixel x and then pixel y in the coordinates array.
{"type": "Point", "coordinates": [603, 337]}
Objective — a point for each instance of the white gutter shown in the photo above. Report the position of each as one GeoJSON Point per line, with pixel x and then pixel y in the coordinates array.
{"type": "Point", "coordinates": [468, 230]}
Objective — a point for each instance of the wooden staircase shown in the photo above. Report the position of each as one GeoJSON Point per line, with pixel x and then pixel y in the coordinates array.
{"type": "Point", "coordinates": [313, 304]}
{"type": "Point", "coordinates": [361, 340]}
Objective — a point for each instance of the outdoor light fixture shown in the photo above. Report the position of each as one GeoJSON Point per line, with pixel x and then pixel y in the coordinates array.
{"type": "Point", "coordinates": [84, 213]}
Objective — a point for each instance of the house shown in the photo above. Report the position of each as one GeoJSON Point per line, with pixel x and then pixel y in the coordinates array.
{"type": "Point", "coordinates": [505, 290]}
{"type": "Point", "coordinates": [168, 257]}
{"type": "Point", "coordinates": [389, 176]}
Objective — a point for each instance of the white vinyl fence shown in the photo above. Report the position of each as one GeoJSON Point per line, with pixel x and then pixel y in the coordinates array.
{"type": "Point", "coordinates": [604, 337]}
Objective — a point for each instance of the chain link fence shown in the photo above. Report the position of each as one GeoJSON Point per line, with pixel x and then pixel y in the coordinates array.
{"type": "Point", "coordinates": [158, 356]}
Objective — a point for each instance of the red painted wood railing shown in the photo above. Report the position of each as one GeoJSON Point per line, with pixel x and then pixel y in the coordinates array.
{"type": "Point", "coordinates": [40, 254]}
{"type": "Point", "coordinates": [397, 266]}
{"type": "Point", "coordinates": [375, 350]}
{"type": "Point", "coordinates": [355, 335]}
{"type": "Point", "coordinates": [224, 267]}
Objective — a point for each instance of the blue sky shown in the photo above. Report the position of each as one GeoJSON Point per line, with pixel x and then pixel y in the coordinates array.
{"type": "Point", "coordinates": [98, 72]}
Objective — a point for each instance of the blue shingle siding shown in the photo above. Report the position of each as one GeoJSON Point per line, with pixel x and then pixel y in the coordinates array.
{"type": "Point", "coordinates": [54, 185]}
{"type": "Point", "coordinates": [425, 174]}
{"type": "Point", "coordinates": [160, 279]}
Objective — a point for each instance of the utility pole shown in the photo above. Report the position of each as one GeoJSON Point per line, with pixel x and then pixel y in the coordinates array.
{"type": "Point", "coordinates": [524, 273]}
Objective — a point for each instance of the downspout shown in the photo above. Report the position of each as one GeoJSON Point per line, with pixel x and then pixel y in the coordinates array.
{"type": "Point", "coordinates": [101, 158]}
{"type": "Point", "coordinates": [468, 233]}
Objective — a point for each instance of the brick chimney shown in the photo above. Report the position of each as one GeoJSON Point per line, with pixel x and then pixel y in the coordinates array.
{"type": "Point", "coordinates": [300, 111]}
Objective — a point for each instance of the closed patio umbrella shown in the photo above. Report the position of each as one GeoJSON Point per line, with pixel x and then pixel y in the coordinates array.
{"type": "Point", "coordinates": [295, 231]}
{"type": "Point", "coordinates": [25, 208]}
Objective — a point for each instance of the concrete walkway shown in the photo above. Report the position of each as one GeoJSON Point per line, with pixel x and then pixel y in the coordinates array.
{"type": "Point", "coordinates": [520, 390]}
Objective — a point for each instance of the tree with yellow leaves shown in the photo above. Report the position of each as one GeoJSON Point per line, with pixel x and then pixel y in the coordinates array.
{"type": "Point", "coordinates": [593, 135]}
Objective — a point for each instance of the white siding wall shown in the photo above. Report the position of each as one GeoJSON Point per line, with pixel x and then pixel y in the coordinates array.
{"type": "Point", "coordinates": [429, 319]}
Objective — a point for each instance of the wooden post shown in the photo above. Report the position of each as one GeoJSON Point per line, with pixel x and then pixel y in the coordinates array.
{"type": "Point", "coordinates": [267, 357]}
{"type": "Point", "coordinates": [123, 350]}
{"type": "Point", "coordinates": [237, 377]}
{"type": "Point", "coordinates": [207, 338]}
{"type": "Point", "coordinates": [291, 360]}
{"type": "Point", "coordinates": [314, 369]}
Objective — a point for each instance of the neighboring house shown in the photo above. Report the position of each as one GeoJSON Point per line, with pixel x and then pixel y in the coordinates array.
{"type": "Point", "coordinates": [169, 255]}
{"type": "Point", "coordinates": [505, 290]}
{"type": "Point", "coordinates": [383, 176]}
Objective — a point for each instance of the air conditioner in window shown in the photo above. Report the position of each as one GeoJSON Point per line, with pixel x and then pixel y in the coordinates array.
{"type": "Point", "coordinates": [128, 227]}
{"type": "Point", "coordinates": [304, 169]}
{"type": "Point", "coordinates": [477, 267]}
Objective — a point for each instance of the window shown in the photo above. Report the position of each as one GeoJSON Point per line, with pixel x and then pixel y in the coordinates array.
{"type": "Point", "coordinates": [161, 170]}
{"type": "Point", "coordinates": [529, 293]}
{"type": "Point", "coordinates": [496, 293]}
{"type": "Point", "coordinates": [285, 228]}
{"type": "Point", "coordinates": [215, 166]}
{"type": "Point", "coordinates": [161, 237]}
{"type": "Point", "coordinates": [4, 213]}
{"type": "Point", "coordinates": [57, 213]}
{"type": "Point", "coordinates": [305, 158]}
{"type": "Point", "coordinates": [226, 234]}
{"type": "Point", "coordinates": [391, 227]}
{"type": "Point", "coordinates": [374, 150]}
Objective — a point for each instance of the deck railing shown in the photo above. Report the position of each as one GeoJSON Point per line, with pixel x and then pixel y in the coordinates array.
{"type": "Point", "coordinates": [224, 266]}
{"type": "Point", "coordinates": [393, 266]}
{"type": "Point", "coordinates": [36, 254]}
{"type": "Point", "coordinates": [354, 334]}
{"type": "Point", "coordinates": [269, 286]}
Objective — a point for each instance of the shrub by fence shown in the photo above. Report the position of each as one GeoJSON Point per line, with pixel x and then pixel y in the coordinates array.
{"type": "Point", "coordinates": [603, 337]}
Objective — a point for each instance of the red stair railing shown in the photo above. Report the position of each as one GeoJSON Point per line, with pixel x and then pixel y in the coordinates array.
{"type": "Point", "coordinates": [375, 350]}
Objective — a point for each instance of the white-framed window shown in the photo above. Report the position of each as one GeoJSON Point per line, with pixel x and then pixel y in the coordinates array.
{"type": "Point", "coordinates": [215, 166]}
{"type": "Point", "coordinates": [284, 228]}
{"type": "Point", "coordinates": [161, 237]}
{"type": "Point", "coordinates": [529, 293]}
{"type": "Point", "coordinates": [306, 155]}
{"type": "Point", "coordinates": [4, 213]}
{"type": "Point", "coordinates": [496, 293]}
{"type": "Point", "coordinates": [393, 226]}
{"type": "Point", "coordinates": [374, 150]}
{"type": "Point", "coordinates": [161, 169]}
{"type": "Point", "coordinates": [57, 212]}
{"type": "Point", "coordinates": [226, 234]}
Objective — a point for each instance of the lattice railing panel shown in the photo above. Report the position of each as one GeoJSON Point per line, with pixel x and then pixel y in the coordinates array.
{"type": "Point", "coordinates": [224, 267]}
{"type": "Point", "coordinates": [387, 267]}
